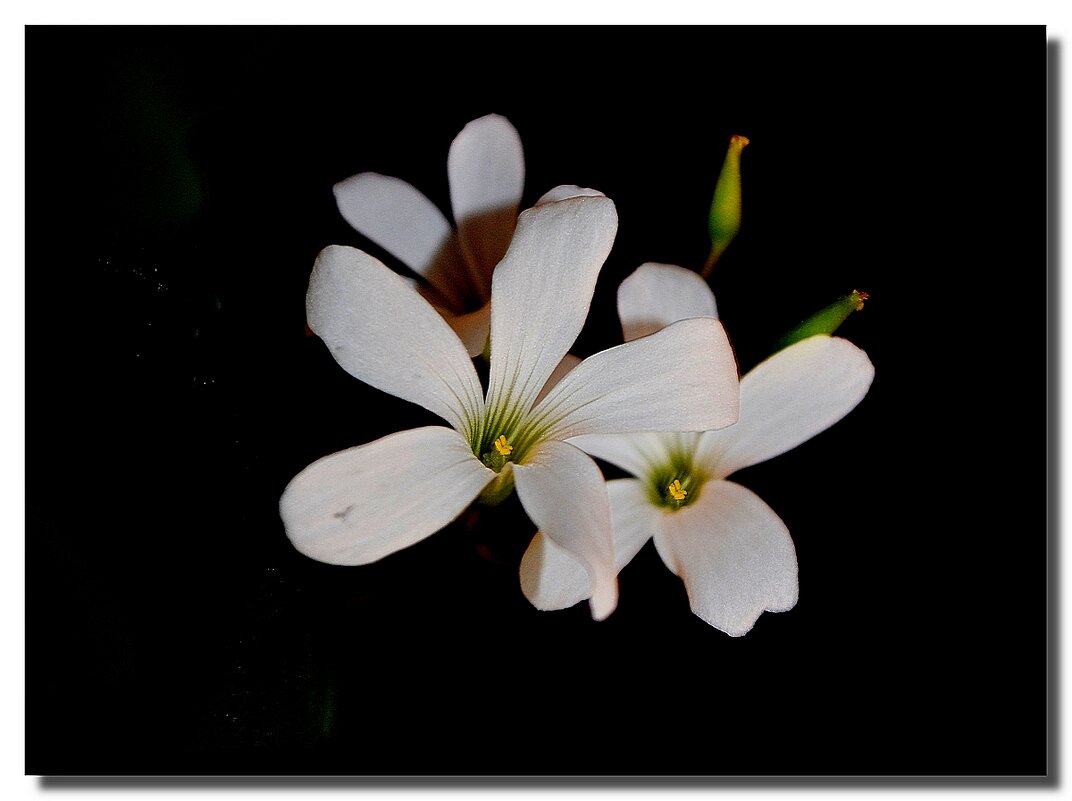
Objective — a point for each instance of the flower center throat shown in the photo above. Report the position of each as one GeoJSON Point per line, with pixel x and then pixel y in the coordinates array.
{"type": "Point", "coordinates": [496, 457]}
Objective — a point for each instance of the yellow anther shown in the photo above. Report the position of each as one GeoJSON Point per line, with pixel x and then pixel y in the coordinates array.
{"type": "Point", "coordinates": [502, 446]}
{"type": "Point", "coordinates": [674, 488]}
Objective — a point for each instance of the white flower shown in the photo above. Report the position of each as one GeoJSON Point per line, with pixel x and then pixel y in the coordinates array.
{"type": "Point", "coordinates": [486, 173]}
{"type": "Point", "coordinates": [731, 550]}
{"type": "Point", "coordinates": [361, 504]}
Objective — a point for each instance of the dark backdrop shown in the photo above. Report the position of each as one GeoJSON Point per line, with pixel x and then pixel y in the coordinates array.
{"type": "Point", "coordinates": [178, 190]}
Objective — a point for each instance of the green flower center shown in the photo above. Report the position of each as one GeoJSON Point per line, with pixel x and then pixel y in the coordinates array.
{"type": "Point", "coordinates": [676, 484]}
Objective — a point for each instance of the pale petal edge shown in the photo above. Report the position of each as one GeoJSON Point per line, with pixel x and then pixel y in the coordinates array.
{"type": "Point", "coordinates": [734, 554]}
{"type": "Point", "coordinates": [564, 494]}
{"type": "Point", "coordinates": [655, 295]}
{"type": "Point", "coordinates": [551, 578]}
{"type": "Point", "coordinates": [364, 503]}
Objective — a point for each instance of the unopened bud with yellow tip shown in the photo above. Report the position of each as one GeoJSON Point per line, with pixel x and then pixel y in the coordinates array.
{"type": "Point", "coordinates": [826, 320]}
{"type": "Point", "coordinates": [724, 219]}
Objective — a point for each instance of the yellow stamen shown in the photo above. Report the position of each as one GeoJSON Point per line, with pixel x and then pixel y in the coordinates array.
{"type": "Point", "coordinates": [502, 446]}
{"type": "Point", "coordinates": [674, 488]}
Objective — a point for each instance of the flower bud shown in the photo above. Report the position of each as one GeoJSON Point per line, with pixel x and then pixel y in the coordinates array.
{"type": "Point", "coordinates": [724, 219]}
{"type": "Point", "coordinates": [826, 320]}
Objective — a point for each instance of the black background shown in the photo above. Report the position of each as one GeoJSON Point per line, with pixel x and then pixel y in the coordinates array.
{"type": "Point", "coordinates": [178, 190]}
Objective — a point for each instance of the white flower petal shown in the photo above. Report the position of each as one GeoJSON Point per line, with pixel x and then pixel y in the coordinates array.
{"type": "Point", "coordinates": [472, 328]}
{"type": "Point", "coordinates": [564, 191]}
{"type": "Point", "coordinates": [682, 378]}
{"type": "Point", "coordinates": [541, 293]}
{"type": "Point", "coordinates": [382, 332]}
{"type": "Point", "coordinates": [565, 496]}
{"type": "Point", "coordinates": [552, 579]}
{"type": "Point", "coordinates": [486, 170]}
{"type": "Point", "coordinates": [361, 504]}
{"type": "Point", "coordinates": [569, 361]}
{"type": "Point", "coordinates": [655, 295]}
{"type": "Point", "coordinates": [734, 555]}
{"type": "Point", "coordinates": [406, 224]}
{"type": "Point", "coordinates": [788, 399]}
{"type": "Point", "coordinates": [639, 453]}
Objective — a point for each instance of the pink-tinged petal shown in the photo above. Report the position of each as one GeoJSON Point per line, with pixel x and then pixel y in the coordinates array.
{"type": "Point", "coordinates": [486, 169]}
{"type": "Point", "coordinates": [565, 496]}
{"type": "Point", "coordinates": [564, 191]}
{"type": "Point", "coordinates": [734, 555]}
{"type": "Point", "coordinates": [406, 224]}
{"type": "Point", "coordinates": [655, 295]}
{"type": "Point", "coordinates": [788, 399]}
{"type": "Point", "coordinates": [682, 378]}
{"type": "Point", "coordinates": [552, 579]}
{"type": "Point", "coordinates": [569, 361]}
{"type": "Point", "coordinates": [361, 504]}
{"type": "Point", "coordinates": [382, 332]}
{"type": "Point", "coordinates": [541, 294]}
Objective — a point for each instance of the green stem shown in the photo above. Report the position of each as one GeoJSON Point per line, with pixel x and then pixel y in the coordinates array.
{"type": "Point", "coordinates": [712, 260]}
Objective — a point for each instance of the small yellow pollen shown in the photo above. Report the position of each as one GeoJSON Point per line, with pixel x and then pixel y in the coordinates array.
{"type": "Point", "coordinates": [502, 446]}
{"type": "Point", "coordinates": [674, 488]}
{"type": "Point", "coordinates": [859, 297]}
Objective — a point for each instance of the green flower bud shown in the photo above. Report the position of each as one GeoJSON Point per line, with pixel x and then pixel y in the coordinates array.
{"type": "Point", "coordinates": [724, 219]}
{"type": "Point", "coordinates": [826, 320]}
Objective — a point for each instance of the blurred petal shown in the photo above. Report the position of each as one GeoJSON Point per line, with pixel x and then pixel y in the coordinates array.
{"type": "Point", "coordinates": [382, 332]}
{"type": "Point", "coordinates": [361, 504]}
{"type": "Point", "coordinates": [569, 361]}
{"type": "Point", "coordinates": [406, 224]}
{"type": "Point", "coordinates": [788, 399]}
{"type": "Point", "coordinates": [486, 169]}
{"type": "Point", "coordinates": [564, 191]}
{"type": "Point", "coordinates": [542, 291]}
{"type": "Point", "coordinates": [565, 496]}
{"type": "Point", "coordinates": [655, 295]}
{"type": "Point", "coordinates": [682, 378]}
{"type": "Point", "coordinates": [552, 579]}
{"type": "Point", "coordinates": [734, 555]}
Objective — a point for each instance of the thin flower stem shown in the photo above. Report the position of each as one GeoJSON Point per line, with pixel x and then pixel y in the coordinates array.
{"type": "Point", "coordinates": [709, 265]}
